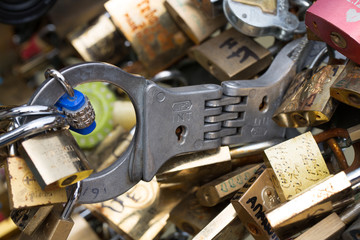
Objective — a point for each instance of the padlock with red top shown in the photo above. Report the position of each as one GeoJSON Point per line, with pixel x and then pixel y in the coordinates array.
{"type": "Point", "coordinates": [337, 22]}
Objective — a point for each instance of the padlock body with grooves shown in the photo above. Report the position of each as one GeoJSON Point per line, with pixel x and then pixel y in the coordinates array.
{"type": "Point", "coordinates": [55, 159]}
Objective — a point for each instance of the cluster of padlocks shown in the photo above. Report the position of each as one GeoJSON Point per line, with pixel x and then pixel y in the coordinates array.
{"type": "Point", "coordinates": [244, 130]}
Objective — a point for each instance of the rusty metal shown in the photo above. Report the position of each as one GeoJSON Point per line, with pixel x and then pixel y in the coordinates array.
{"type": "Point", "coordinates": [331, 133]}
{"type": "Point", "coordinates": [338, 153]}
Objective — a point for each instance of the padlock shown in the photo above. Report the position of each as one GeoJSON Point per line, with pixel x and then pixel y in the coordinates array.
{"type": "Point", "coordinates": [192, 20]}
{"type": "Point", "coordinates": [307, 101]}
{"type": "Point", "coordinates": [262, 18]}
{"type": "Point", "coordinates": [143, 203]}
{"type": "Point", "coordinates": [99, 42]}
{"type": "Point", "coordinates": [329, 195]}
{"type": "Point", "coordinates": [250, 202]}
{"type": "Point", "coordinates": [225, 186]}
{"type": "Point", "coordinates": [332, 226]}
{"type": "Point", "coordinates": [196, 168]}
{"type": "Point", "coordinates": [296, 164]}
{"type": "Point", "coordinates": [55, 159]}
{"type": "Point", "coordinates": [231, 55]}
{"type": "Point", "coordinates": [336, 23]}
{"type": "Point", "coordinates": [29, 219]}
{"type": "Point", "coordinates": [58, 224]}
{"type": "Point", "coordinates": [191, 217]}
{"type": "Point", "coordinates": [151, 31]}
{"type": "Point", "coordinates": [223, 226]}
{"type": "Point", "coordinates": [211, 8]}
{"type": "Point", "coordinates": [346, 88]}
{"type": "Point", "coordinates": [23, 188]}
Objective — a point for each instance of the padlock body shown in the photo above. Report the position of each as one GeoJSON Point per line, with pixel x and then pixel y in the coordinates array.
{"type": "Point", "coordinates": [257, 196]}
{"type": "Point", "coordinates": [231, 55]}
{"type": "Point", "coordinates": [24, 190]}
{"type": "Point", "coordinates": [296, 165]}
{"type": "Point", "coordinates": [55, 159]}
{"type": "Point", "coordinates": [337, 23]}
{"type": "Point", "coordinates": [307, 101]}
{"type": "Point", "coordinates": [346, 88]}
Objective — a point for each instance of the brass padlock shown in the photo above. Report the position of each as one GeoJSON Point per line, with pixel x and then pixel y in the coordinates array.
{"type": "Point", "coordinates": [332, 226]}
{"type": "Point", "coordinates": [144, 202]}
{"type": "Point", "coordinates": [55, 159]}
{"type": "Point", "coordinates": [225, 186]}
{"type": "Point", "coordinates": [99, 42]}
{"type": "Point", "coordinates": [257, 196]}
{"type": "Point", "coordinates": [231, 55]}
{"type": "Point", "coordinates": [192, 20]}
{"type": "Point", "coordinates": [191, 217]}
{"type": "Point", "coordinates": [226, 225]}
{"type": "Point", "coordinates": [307, 101]}
{"type": "Point", "coordinates": [29, 219]}
{"type": "Point", "coordinates": [58, 224]}
{"type": "Point", "coordinates": [346, 88]}
{"type": "Point", "coordinates": [296, 165]}
{"type": "Point", "coordinates": [153, 35]}
{"type": "Point", "coordinates": [23, 189]}
{"type": "Point", "coordinates": [196, 168]}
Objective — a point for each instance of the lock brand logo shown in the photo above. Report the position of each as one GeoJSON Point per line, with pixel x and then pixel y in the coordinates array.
{"type": "Point", "coordinates": [182, 106]}
{"type": "Point", "coordinates": [182, 111]}
{"type": "Point", "coordinates": [352, 16]}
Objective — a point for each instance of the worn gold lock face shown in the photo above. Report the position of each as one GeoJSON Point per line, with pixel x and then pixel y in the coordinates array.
{"type": "Point", "coordinates": [307, 101]}
{"type": "Point", "coordinates": [231, 55]}
{"type": "Point", "coordinates": [193, 20]}
{"type": "Point", "coordinates": [55, 159]}
{"type": "Point", "coordinates": [222, 188]}
{"type": "Point", "coordinates": [296, 165]}
{"type": "Point", "coordinates": [346, 88]}
{"type": "Point", "coordinates": [99, 42]}
{"type": "Point", "coordinates": [257, 196]}
{"type": "Point", "coordinates": [154, 36]}
{"type": "Point", "coordinates": [23, 189]}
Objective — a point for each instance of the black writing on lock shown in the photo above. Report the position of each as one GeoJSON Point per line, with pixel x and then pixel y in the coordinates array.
{"type": "Point", "coordinates": [260, 214]}
{"type": "Point", "coordinates": [243, 51]}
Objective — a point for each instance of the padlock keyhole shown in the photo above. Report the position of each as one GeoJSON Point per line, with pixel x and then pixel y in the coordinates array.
{"type": "Point", "coordinates": [180, 133]}
{"type": "Point", "coordinates": [264, 104]}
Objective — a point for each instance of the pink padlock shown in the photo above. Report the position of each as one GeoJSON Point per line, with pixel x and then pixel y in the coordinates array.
{"type": "Point", "coordinates": [337, 22]}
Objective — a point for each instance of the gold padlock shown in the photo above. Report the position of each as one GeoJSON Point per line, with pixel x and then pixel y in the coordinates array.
{"type": "Point", "coordinates": [257, 196]}
{"type": "Point", "coordinates": [346, 88]}
{"type": "Point", "coordinates": [197, 168]}
{"type": "Point", "coordinates": [191, 217]}
{"type": "Point", "coordinates": [296, 165]}
{"type": "Point", "coordinates": [133, 213]}
{"type": "Point", "coordinates": [153, 35]}
{"type": "Point", "coordinates": [231, 55]}
{"type": "Point", "coordinates": [307, 101]}
{"type": "Point", "coordinates": [99, 42]}
{"type": "Point", "coordinates": [29, 219]}
{"type": "Point", "coordinates": [55, 159]}
{"type": "Point", "coordinates": [24, 191]}
{"type": "Point", "coordinates": [226, 225]}
{"type": "Point", "coordinates": [223, 187]}
{"type": "Point", "coordinates": [192, 20]}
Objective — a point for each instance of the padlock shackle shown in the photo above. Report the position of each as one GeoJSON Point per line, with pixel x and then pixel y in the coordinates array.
{"type": "Point", "coordinates": [115, 179]}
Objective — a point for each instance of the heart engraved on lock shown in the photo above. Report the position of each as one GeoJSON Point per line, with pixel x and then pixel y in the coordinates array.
{"type": "Point", "coordinates": [352, 15]}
